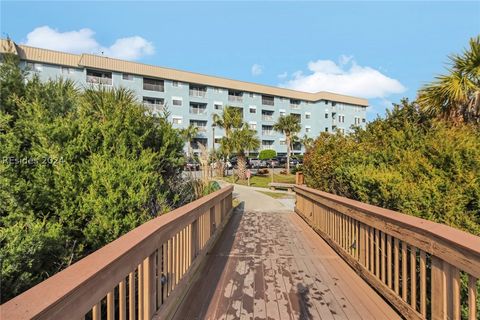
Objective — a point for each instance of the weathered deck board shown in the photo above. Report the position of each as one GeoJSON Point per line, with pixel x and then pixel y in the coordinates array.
{"type": "Point", "coordinates": [273, 266]}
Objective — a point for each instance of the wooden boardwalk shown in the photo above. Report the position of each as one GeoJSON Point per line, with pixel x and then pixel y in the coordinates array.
{"type": "Point", "coordinates": [272, 265]}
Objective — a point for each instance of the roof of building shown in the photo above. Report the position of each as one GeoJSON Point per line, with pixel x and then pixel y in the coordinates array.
{"type": "Point", "coordinates": [111, 64]}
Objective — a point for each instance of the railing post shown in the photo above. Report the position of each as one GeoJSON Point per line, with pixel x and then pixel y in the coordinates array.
{"type": "Point", "coordinates": [194, 239]}
{"type": "Point", "coordinates": [438, 290]}
{"type": "Point", "coordinates": [149, 287]}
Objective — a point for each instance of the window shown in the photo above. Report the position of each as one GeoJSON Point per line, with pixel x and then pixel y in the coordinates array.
{"type": "Point", "coordinates": [252, 125]}
{"type": "Point", "coordinates": [99, 77]}
{"type": "Point", "coordinates": [177, 120]}
{"type": "Point", "coordinates": [153, 84]}
{"type": "Point", "coordinates": [357, 121]}
{"type": "Point", "coordinates": [282, 113]}
{"type": "Point", "coordinates": [334, 103]}
{"type": "Point", "coordinates": [268, 100]}
{"type": "Point", "coordinates": [200, 124]}
{"type": "Point", "coordinates": [127, 76]}
{"type": "Point", "coordinates": [218, 140]}
{"type": "Point", "coordinates": [34, 66]}
{"type": "Point", "coordinates": [251, 95]}
{"type": "Point", "coordinates": [66, 70]}
{"type": "Point", "coordinates": [235, 96]}
{"type": "Point", "coordinates": [267, 144]}
{"type": "Point", "coordinates": [294, 104]}
{"type": "Point", "coordinates": [326, 102]}
{"type": "Point", "coordinates": [307, 115]}
{"type": "Point", "coordinates": [326, 129]}
{"type": "Point", "coordinates": [267, 130]}
{"type": "Point", "coordinates": [252, 109]}
{"type": "Point", "coordinates": [267, 115]}
{"type": "Point", "coordinates": [196, 141]}
{"type": "Point", "coordinates": [364, 120]}
{"type": "Point", "coordinates": [155, 105]}
{"type": "Point", "coordinates": [326, 115]}
{"type": "Point", "coordinates": [175, 84]}
{"type": "Point", "coordinates": [198, 108]}
{"type": "Point", "coordinates": [341, 118]}
{"type": "Point", "coordinates": [217, 90]}
{"type": "Point", "coordinates": [177, 101]}
{"type": "Point", "coordinates": [308, 129]}
{"type": "Point", "coordinates": [218, 106]}
{"type": "Point", "coordinates": [283, 142]}
{"type": "Point", "coordinates": [298, 116]}
{"type": "Point", "coordinates": [198, 91]}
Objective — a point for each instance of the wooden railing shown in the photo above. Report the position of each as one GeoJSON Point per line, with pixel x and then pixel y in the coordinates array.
{"type": "Point", "coordinates": [141, 275]}
{"type": "Point", "coordinates": [426, 270]}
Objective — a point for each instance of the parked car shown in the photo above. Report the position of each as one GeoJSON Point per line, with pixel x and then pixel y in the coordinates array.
{"type": "Point", "coordinates": [256, 163]}
{"type": "Point", "coordinates": [274, 162]}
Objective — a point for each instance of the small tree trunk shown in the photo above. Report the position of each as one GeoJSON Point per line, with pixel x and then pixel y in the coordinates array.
{"type": "Point", "coordinates": [288, 154]}
{"type": "Point", "coordinates": [242, 167]}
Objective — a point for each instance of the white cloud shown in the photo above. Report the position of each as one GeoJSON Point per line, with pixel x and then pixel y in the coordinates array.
{"type": "Point", "coordinates": [283, 75]}
{"type": "Point", "coordinates": [345, 77]}
{"type": "Point", "coordinates": [83, 41]}
{"type": "Point", "coordinates": [257, 70]}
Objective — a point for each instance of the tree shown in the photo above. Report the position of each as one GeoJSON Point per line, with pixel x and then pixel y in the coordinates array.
{"type": "Point", "coordinates": [83, 168]}
{"type": "Point", "coordinates": [307, 142]}
{"type": "Point", "coordinates": [456, 96]}
{"type": "Point", "coordinates": [288, 125]}
{"type": "Point", "coordinates": [242, 141]}
{"type": "Point", "coordinates": [267, 154]}
{"type": "Point", "coordinates": [189, 133]}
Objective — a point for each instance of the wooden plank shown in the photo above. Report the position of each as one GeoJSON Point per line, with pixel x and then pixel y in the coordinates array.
{"type": "Point", "coordinates": [362, 243]}
{"type": "Point", "coordinates": [97, 311]}
{"type": "Point", "coordinates": [423, 283]}
{"type": "Point", "coordinates": [472, 298]}
{"type": "Point", "coordinates": [371, 238]}
{"type": "Point", "coordinates": [131, 296]}
{"type": "Point", "coordinates": [383, 256]}
{"type": "Point", "coordinates": [413, 277]}
{"type": "Point", "coordinates": [438, 289]}
{"type": "Point", "coordinates": [396, 269]}
{"type": "Point", "coordinates": [404, 271]}
{"type": "Point", "coordinates": [456, 306]}
{"type": "Point", "coordinates": [140, 291]}
{"type": "Point", "coordinates": [149, 286]}
{"type": "Point", "coordinates": [389, 261]}
{"type": "Point", "coordinates": [122, 301]}
{"type": "Point", "coordinates": [110, 306]}
{"type": "Point", "coordinates": [377, 253]}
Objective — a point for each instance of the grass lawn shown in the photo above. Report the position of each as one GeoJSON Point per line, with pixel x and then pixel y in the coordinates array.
{"type": "Point", "coordinates": [262, 181]}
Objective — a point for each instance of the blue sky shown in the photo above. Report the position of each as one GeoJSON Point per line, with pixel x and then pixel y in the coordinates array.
{"type": "Point", "coordinates": [379, 50]}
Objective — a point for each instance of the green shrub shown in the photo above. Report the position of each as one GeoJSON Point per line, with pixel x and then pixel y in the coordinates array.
{"type": "Point", "coordinates": [267, 154]}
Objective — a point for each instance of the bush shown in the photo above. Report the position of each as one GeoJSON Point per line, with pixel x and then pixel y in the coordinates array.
{"type": "Point", "coordinates": [263, 171]}
{"type": "Point", "coordinates": [83, 168]}
{"type": "Point", "coordinates": [406, 162]}
{"type": "Point", "coordinates": [267, 154]}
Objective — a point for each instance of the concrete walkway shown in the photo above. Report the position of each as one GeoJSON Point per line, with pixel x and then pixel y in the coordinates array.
{"type": "Point", "coordinates": [257, 201]}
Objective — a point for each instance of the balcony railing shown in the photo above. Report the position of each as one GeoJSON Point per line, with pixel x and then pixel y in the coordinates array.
{"type": "Point", "coordinates": [99, 80]}
{"type": "Point", "coordinates": [294, 106]}
{"type": "Point", "coordinates": [235, 98]}
{"type": "Point", "coordinates": [267, 132]}
{"type": "Point", "coordinates": [153, 87]}
{"type": "Point", "coordinates": [145, 272]}
{"type": "Point", "coordinates": [414, 263]}
{"type": "Point", "coordinates": [201, 128]}
{"type": "Point", "coordinates": [266, 147]}
{"type": "Point", "coordinates": [154, 107]}
{"type": "Point", "coordinates": [267, 102]}
{"type": "Point", "coordinates": [267, 118]}
{"type": "Point", "coordinates": [197, 93]}
{"type": "Point", "coordinates": [198, 110]}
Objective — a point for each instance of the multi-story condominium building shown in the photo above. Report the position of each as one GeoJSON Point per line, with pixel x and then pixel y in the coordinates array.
{"type": "Point", "coordinates": [193, 98]}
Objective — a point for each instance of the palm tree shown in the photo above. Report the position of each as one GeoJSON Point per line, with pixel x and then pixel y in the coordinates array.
{"type": "Point", "coordinates": [230, 119]}
{"type": "Point", "coordinates": [307, 142]}
{"type": "Point", "coordinates": [288, 125]}
{"type": "Point", "coordinates": [456, 96]}
{"type": "Point", "coordinates": [241, 141]}
{"type": "Point", "coordinates": [189, 133]}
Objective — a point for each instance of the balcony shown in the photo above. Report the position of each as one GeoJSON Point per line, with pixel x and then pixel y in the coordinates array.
{"type": "Point", "coordinates": [199, 111]}
{"type": "Point", "coordinates": [267, 132]}
{"type": "Point", "coordinates": [99, 80]}
{"type": "Point", "coordinates": [235, 98]}
{"type": "Point", "coordinates": [294, 106]}
{"type": "Point", "coordinates": [197, 93]}
{"type": "Point", "coordinates": [267, 118]}
{"type": "Point", "coordinates": [154, 107]}
{"type": "Point", "coordinates": [153, 87]}
{"type": "Point", "coordinates": [267, 102]}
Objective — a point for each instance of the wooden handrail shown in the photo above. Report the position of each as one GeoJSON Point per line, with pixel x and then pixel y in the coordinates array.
{"type": "Point", "coordinates": [140, 270]}
{"type": "Point", "coordinates": [400, 255]}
